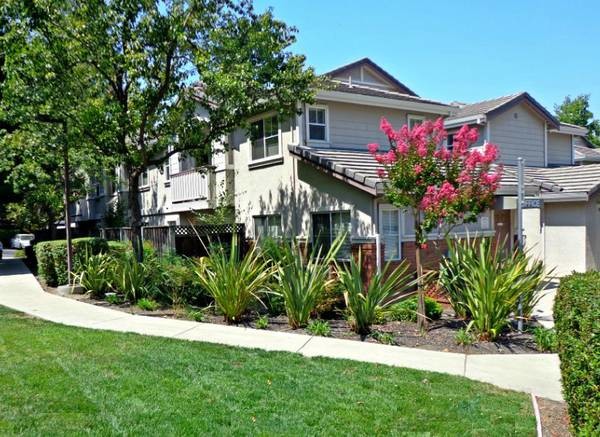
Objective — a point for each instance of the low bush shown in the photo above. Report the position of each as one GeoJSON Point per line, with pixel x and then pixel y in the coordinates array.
{"type": "Point", "coordinates": [136, 280]}
{"type": "Point", "coordinates": [52, 257]}
{"type": "Point", "coordinates": [96, 274]}
{"type": "Point", "coordinates": [197, 315]}
{"type": "Point", "coordinates": [302, 277]}
{"type": "Point", "coordinates": [384, 337]}
{"type": "Point", "coordinates": [464, 338]}
{"type": "Point", "coordinates": [383, 289]}
{"type": "Point", "coordinates": [485, 283]}
{"type": "Point", "coordinates": [113, 298]}
{"type": "Point", "coordinates": [406, 310]}
{"type": "Point", "coordinates": [118, 247]}
{"type": "Point", "coordinates": [147, 304]}
{"type": "Point", "coordinates": [233, 281]}
{"type": "Point", "coordinates": [545, 339]}
{"type": "Point", "coordinates": [577, 324]}
{"type": "Point", "coordinates": [319, 328]}
{"type": "Point", "coordinates": [262, 322]}
{"type": "Point", "coordinates": [180, 285]}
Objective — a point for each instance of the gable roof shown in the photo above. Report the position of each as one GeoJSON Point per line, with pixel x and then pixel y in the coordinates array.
{"type": "Point", "coordinates": [376, 92]}
{"type": "Point", "coordinates": [493, 106]}
{"type": "Point", "coordinates": [401, 88]}
{"type": "Point", "coordinates": [586, 154]}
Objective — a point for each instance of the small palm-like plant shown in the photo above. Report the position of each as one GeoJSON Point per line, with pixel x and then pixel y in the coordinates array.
{"type": "Point", "coordinates": [384, 288]}
{"type": "Point", "coordinates": [233, 281]}
{"type": "Point", "coordinates": [302, 277]}
{"type": "Point", "coordinates": [96, 273]}
{"type": "Point", "coordinates": [134, 279]}
{"type": "Point", "coordinates": [492, 283]}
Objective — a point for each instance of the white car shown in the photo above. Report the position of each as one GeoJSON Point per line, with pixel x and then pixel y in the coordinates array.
{"type": "Point", "coordinates": [21, 241]}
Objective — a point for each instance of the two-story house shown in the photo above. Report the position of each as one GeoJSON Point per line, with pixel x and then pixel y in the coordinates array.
{"type": "Point", "coordinates": [311, 177]}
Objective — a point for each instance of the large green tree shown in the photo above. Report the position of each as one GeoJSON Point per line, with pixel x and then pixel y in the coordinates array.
{"type": "Point", "coordinates": [172, 76]}
{"type": "Point", "coordinates": [577, 111]}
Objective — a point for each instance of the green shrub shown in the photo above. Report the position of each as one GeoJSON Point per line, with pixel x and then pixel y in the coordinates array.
{"type": "Point", "coordinates": [113, 298]}
{"type": "Point", "coordinates": [96, 273]}
{"type": "Point", "coordinates": [136, 280]}
{"type": "Point", "coordinates": [52, 257]}
{"type": "Point", "coordinates": [180, 285]}
{"type": "Point", "coordinates": [147, 304]}
{"type": "Point", "coordinates": [262, 322]}
{"type": "Point", "coordinates": [484, 283]}
{"type": "Point", "coordinates": [384, 337]}
{"type": "Point", "coordinates": [234, 282]}
{"type": "Point", "coordinates": [302, 277]}
{"type": "Point", "coordinates": [383, 289]}
{"type": "Point", "coordinates": [118, 247]}
{"type": "Point", "coordinates": [197, 315]}
{"type": "Point", "coordinates": [406, 310]}
{"type": "Point", "coordinates": [545, 339]}
{"type": "Point", "coordinates": [577, 325]}
{"type": "Point", "coordinates": [464, 338]}
{"type": "Point", "coordinates": [320, 328]}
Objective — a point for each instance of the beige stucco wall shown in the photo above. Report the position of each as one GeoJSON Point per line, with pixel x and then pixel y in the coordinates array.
{"type": "Point", "coordinates": [293, 189]}
{"type": "Point", "coordinates": [593, 233]}
{"type": "Point", "coordinates": [518, 131]}
{"type": "Point", "coordinates": [565, 236]}
{"type": "Point", "coordinates": [533, 231]}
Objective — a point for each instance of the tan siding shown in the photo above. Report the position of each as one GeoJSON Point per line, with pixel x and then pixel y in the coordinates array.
{"type": "Point", "coordinates": [354, 126]}
{"type": "Point", "coordinates": [522, 136]}
{"type": "Point", "coordinates": [559, 149]}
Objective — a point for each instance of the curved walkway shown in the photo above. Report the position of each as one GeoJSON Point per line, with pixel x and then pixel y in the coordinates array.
{"type": "Point", "coordinates": [532, 373]}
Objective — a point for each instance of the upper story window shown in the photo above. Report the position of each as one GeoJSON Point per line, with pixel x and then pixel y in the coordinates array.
{"type": "Point", "coordinates": [144, 181]}
{"type": "Point", "coordinates": [264, 135]}
{"type": "Point", "coordinates": [414, 120]}
{"type": "Point", "coordinates": [318, 123]}
{"type": "Point", "coordinates": [450, 142]}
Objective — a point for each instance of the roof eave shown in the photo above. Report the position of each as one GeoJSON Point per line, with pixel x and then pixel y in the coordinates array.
{"type": "Point", "coordinates": [342, 97]}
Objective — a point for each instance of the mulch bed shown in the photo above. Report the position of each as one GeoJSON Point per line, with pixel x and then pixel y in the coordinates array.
{"type": "Point", "coordinates": [554, 417]}
{"type": "Point", "coordinates": [440, 335]}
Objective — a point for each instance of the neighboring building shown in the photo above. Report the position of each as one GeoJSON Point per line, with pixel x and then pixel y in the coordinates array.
{"type": "Point", "coordinates": [311, 177]}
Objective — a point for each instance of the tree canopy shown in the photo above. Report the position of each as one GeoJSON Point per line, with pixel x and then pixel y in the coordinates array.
{"type": "Point", "coordinates": [162, 77]}
{"type": "Point", "coordinates": [577, 111]}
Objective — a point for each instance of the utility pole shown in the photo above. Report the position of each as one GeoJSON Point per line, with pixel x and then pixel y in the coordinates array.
{"type": "Point", "coordinates": [520, 201]}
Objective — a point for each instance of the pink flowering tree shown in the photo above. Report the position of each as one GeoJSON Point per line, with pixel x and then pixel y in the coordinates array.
{"type": "Point", "coordinates": [441, 187]}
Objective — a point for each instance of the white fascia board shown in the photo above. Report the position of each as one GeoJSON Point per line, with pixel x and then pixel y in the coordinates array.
{"type": "Point", "coordinates": [564, 197]}
{"type": "Point", "coordinates": [337, 96]}
{"type": "Point", "coordinates": [471, 119]}
{"type": "Point", "coordinates": [570, 130]}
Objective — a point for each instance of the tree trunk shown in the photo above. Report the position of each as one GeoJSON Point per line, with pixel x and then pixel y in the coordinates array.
{"type": "Point", "coordinates": [421, 313]}
{"type": "Point", "coordinates": [67, 195]}
{"type": "Point", "coordinates": [135, 214]}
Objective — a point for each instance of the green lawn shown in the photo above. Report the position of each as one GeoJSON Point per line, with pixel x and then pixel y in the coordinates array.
{"type": "Point", "coordinates": [61, 380]}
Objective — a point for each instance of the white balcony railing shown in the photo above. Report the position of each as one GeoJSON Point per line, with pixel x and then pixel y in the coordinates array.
{"type": "Point", "coordinates": [191, 185]}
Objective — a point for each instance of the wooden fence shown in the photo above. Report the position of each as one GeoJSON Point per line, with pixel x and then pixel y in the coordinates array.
{"type": "Point", "coordinates": [191, 241]}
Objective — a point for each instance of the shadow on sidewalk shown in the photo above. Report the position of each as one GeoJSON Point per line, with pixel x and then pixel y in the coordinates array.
{"type": "Point", "coordinates": [11, 267]}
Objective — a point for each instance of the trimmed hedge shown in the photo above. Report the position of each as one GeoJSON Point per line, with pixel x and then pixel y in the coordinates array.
{"type": "Point", "coordinates": [52, 257]}
{"type": "Point", "coordinates": [577, 324]}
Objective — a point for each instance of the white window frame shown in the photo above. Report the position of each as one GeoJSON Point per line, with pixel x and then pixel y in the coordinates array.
{"type": "Point", "coordinates": [268, 217]}
{"type": "Point", "coordinates": [308, 123]}
{"type": "Point", "coordinates": [141, 178]}
{"type": "Point", "coordinates": [279, 141]}
{"type": "Point", "coordinates": [387, 207]}
{"type": "Point", "coordinates": [413, 117]}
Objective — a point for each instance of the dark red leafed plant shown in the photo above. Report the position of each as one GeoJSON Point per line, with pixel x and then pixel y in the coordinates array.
{"type": "Point", "coordinates": [442, 187]}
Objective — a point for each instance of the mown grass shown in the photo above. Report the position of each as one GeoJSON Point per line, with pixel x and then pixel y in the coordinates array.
{"type": "Point", "coordinates": [59, 380]}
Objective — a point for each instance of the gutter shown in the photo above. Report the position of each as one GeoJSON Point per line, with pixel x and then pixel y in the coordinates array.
{"type": "Point", "coordinates": [471, 119]}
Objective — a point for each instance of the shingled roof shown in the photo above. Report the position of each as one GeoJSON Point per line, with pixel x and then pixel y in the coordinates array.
{"type": "Point", "coordinates": [493, 106]}
{"type": "Point", "coordinates": [586, 154]}
{"type": "Point", "coordinates": [377, 92]}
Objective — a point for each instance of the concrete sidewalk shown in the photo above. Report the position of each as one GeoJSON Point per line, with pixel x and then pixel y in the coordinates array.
{"type": "Point", "coordinates": [532, 373]}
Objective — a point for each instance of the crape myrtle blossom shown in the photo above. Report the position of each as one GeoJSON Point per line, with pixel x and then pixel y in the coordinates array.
{"type": "Point", "coordinates": [441, 186]}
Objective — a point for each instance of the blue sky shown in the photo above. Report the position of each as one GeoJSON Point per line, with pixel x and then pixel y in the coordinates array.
{"type": "Point", "coordinates": [458, 50]}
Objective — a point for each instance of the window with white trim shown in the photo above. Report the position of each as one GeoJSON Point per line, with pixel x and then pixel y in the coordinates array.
{"type": "Point", "coordinates": [264, 135]}
{"type": "Point", "coordinates": [327, 226]}
{"type": "Point", "coordinates": [143, 180]}
{"type": "Point", "coordinates": [414, 120]}
{"type": "Point", "coordinates": [267, 226]}
{"type": "Point", "coordinates": [389, 225]}
{"type": "Point", "coordinates": [317, 123]}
